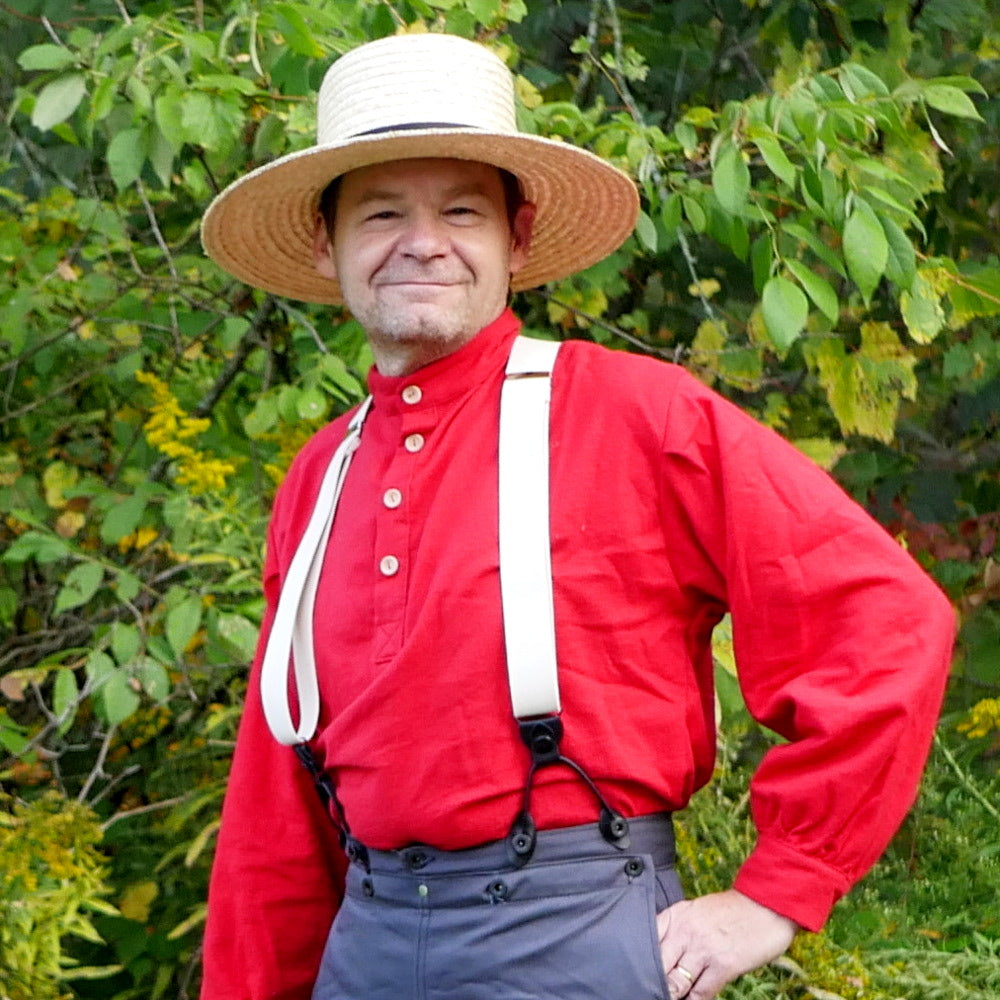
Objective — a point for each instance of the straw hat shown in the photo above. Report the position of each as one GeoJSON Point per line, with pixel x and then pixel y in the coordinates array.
{"type": "Point", "coordinates": [404, 97]}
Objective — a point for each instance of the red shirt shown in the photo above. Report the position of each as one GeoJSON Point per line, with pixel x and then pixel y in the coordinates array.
{"type": "Point", "coordinates": [669, 506]}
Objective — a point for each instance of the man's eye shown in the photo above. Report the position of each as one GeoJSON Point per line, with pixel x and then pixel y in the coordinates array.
{"type": "Point", "coordinates": [385, 213]}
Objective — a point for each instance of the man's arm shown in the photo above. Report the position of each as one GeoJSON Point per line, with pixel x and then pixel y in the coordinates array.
{"type": "Point", "coordinates": [278, 871]}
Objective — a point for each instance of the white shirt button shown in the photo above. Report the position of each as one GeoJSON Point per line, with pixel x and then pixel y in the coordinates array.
{"type": "Point", "coordinates": [414, 442]}
{"type": "Point", "coordinates": [412, 394]}
{"type": "Point", "coordinates": [388, 565]}
{"type": "Point", "coordinates": [392, 498]}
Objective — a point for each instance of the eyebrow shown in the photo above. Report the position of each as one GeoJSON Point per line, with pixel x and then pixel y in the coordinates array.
{"type": "Point", "coordinates": [462, 190]}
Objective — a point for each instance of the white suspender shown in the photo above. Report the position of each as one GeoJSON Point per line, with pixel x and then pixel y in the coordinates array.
{"type": "Point", "coordinates": [292, 625]}
{"type": "Point", "coordinates": [525, 549]}
{"type": "Point", "coordinates": [525, 559]}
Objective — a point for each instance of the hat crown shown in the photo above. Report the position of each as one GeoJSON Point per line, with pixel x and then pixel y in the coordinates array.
{"type": "Point", "coordinates": [407, 82]}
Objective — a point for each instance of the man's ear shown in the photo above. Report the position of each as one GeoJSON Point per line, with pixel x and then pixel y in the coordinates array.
{"type": "Point", "coordinates": [520, 235]}
{"type": "Point", "coordinates": [323, 250]}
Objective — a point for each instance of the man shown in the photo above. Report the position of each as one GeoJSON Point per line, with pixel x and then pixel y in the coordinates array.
{"type": "Point", "coordinates": [421, 207]}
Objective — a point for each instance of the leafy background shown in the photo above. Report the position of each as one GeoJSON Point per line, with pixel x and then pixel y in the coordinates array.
{"type": "Point", "coordinates": [819, 241]}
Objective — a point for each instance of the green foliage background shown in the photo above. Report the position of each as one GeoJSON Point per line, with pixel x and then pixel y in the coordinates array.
{"type": "Point", "coordinates": [819, 241]}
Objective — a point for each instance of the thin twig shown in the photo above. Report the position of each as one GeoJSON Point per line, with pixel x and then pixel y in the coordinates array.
{"type": "Point", "coordinates": [583, 80]}
{"type": "Point", "coordinates": [621, 85]}
{"type": "Point", "coordinates": [35, 403]}
{"type": "Point", "coordinates": [143, 810]}
{"type": "Point", "coordinates": [162, 244]}
{"type": "Point", "coordinates": [605, 325]}
{"type": "Point", "coordinates": [114, 783]}
{"type": "Point", "coordinates": [97, 771]}
{"type": "Point", "coordinates": [250, 339]}
{"type": "Point", "coordinates": [51, 31]}
{"type": "Point", "coordinates": [124, 13]}
{"type": "Point", "coordinates": [965, 779]}
{"type": "Point", "coordinates": [301, 318]}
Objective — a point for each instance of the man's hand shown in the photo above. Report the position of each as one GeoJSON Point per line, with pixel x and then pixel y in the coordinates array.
{"type": "Point", "coordinates": [708, 941]}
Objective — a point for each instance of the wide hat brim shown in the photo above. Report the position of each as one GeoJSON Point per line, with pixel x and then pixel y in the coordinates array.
{"type": "Point", "coordinates": [260, 228]}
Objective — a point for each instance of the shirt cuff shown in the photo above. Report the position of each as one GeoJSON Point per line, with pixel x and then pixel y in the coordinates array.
{"type": "Point", "coordinates": [793, 884]}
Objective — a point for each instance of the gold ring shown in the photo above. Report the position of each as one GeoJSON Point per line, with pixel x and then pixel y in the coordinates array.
{"type": "Point", "coordinates": [684, 972]}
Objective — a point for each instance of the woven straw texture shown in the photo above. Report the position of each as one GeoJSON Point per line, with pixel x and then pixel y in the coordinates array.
{"type": "Point", "coordinates": [371, 106]}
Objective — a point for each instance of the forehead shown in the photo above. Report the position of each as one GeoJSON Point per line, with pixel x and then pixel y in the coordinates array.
{"type": "Point", "coordinates": [422, 177]}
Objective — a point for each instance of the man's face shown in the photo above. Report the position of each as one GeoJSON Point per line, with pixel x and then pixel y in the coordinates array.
{"type": "Point", "coordinates": [424, 251]}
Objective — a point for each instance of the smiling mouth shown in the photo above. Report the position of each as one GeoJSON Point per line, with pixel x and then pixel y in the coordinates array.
{"type": "Point", "coordinates": [417, 283]}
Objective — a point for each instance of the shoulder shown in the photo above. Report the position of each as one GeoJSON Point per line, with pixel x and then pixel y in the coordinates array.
{"type": "Point", "coordinates": [634, 386]}
{"type": "Point", "coordinates": [296, 496]}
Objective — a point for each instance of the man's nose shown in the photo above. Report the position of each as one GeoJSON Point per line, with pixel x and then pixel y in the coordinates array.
{"type": "Point", "coordinates": [425, 236]}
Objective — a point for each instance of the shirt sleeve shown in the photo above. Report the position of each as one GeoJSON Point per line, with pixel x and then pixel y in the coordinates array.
{"type": "Point", "coordinates": [842, 644]}
{"type": "Point", "coordinates": [277, 876]}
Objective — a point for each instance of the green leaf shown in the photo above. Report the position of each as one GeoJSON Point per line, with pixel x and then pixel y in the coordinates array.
{"type": "Point", "coordinates": [58, 100]}
{"type": "Point", "coordinates": [818, 247]}
{"type": "Point", "coordinates": [670, 213]}
{"type": "Point", "coordinates": [901, 264]}
{"type": "Point", "coordinates": [872, 191]}
{"type": "Point", "coordinates": [951, 101]}
{"type": "Point", "coordinates": [168, 110]}
{"type": "Point", "coordinates": [183, 621]}
{"type": "Point", "coordinates": [731, 179]}
{"type": "Point", "coordinates": [117, 698]}
{"type": "Point", "coordinates": [860, 82]}
{"type": "Point", "coordinates": [817, 288]}
{"type": "Point", "coordinates": [153, 677]}
{"type": "Point", "coordinates": [865, 387]}
{"type": "Point", "coordinates": [127, 585]}
{"type": "Point", "coordinates": [99, 667]}
{"type": "Point", "coordinates": [785, 311]}
{"type": "Point", "coordinates": [761, 261]}
{"type": "Point", "coordinates": [122, 519]}
{"type": "Point", "coordinates": [262, 417]}
{"type": "Point", "coordinates": [64, 697]}
{"type": "Point", "coordinates": [34, 545]}
{"type": "Point", "coordinates": [238, 634]}
{"type": "Point", "coordinates": [46, 57]}
{"type": "Point", "coordinates": [125, 642]}
{"type": "Point", "coordinates": [80, 585]}
{"type": "Point", "coordinates": [224, 81]}
{"type": "Point", "coordinates": [922, 310]}
{"type": "Point", "coordinates": [126, 155]}
{"type": "Point", "coordinates": [776, 160]}
{"type": "Point", "coordinates": [695, 213]}
{"type": "Point", "coordinates": [866, 248]}
{"type": "Point", "coordinates": [645, 230]}
{"type": "Point", "coordinates": [311, 404]}
{"type": "Point", "coordinates": [297, 34]}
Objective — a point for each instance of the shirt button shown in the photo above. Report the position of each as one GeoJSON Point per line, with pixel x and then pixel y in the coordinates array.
{"type": "Point", "coordinates": [392, 498]}
{"type": "Point", "coordinates": [412, 394]}
{"type": "Point", "coordinates": [388, 565]}
{"type": "Point", "coordinates": [414, 442]}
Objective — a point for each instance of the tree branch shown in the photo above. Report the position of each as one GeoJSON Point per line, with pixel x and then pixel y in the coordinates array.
{"type": "Point", "coordinates": [250, 339]}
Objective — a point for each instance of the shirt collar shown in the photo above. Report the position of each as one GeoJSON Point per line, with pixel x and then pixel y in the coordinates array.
{"type": "Point", "coordinates": [456, 373]}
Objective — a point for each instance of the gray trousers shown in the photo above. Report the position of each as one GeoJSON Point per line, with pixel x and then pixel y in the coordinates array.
{"type": "Point", "coordinates": [576, 923]}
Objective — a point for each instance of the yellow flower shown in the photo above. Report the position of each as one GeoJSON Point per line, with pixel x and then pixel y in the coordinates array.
{"type": "Point", "coordinates": [983, 719]}
{"type": "Point", "coordinates": [169, 428]}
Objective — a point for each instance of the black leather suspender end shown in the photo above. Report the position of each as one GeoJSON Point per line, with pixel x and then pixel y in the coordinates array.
{"type": "Point", "coordinates": [542, 737]}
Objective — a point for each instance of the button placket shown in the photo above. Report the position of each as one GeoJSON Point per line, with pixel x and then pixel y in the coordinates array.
{"type": "Point", "coordinates": [392, 540]}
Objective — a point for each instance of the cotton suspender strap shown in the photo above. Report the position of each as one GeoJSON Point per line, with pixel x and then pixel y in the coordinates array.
{"type": "Point", "coordinates": [292, 628]}
{"type": "Point", "coordinates": [525, 559]}
{"type": "Point", "coordinates": [525, 549]}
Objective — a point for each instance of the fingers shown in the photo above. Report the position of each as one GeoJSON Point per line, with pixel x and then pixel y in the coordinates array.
{"type": "Point", "coordinates": [708, 941]}
{"type": "Point", "coordinates": [681, 981]}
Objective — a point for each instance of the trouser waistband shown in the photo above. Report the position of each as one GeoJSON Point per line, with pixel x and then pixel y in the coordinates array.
{"type": "Point", "coordinates": [651, 836]}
